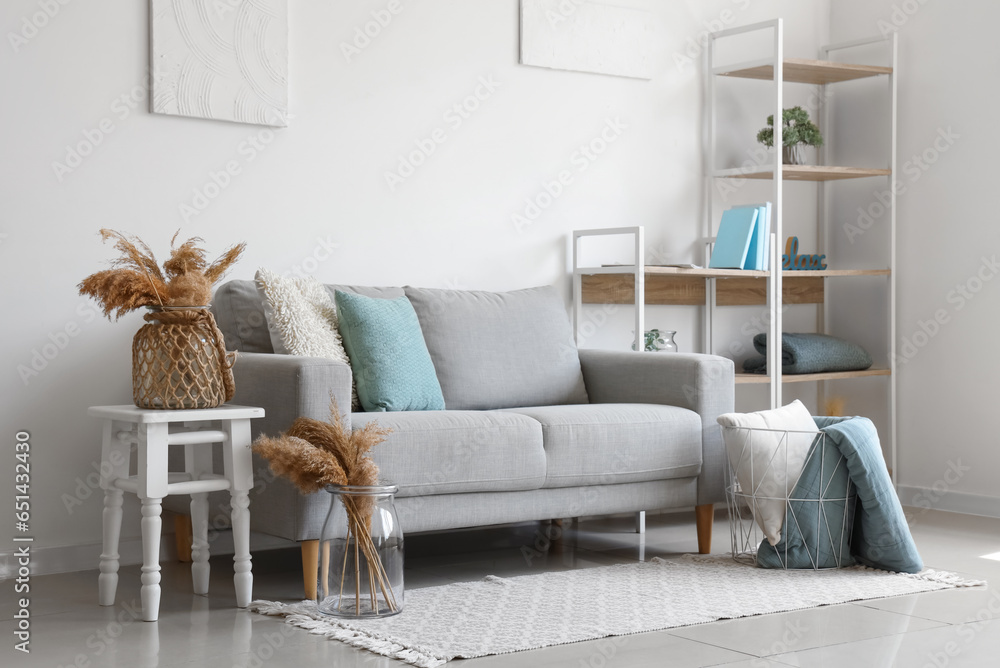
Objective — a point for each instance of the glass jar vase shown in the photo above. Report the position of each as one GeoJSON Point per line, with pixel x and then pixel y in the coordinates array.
{"type": "Point", "coordinates": [361, 554]}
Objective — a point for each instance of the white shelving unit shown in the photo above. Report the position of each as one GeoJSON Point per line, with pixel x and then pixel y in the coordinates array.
{"type": "Point", "coordinates": [640, 284]}
{"type": "Point", "coordinates": [778, 71]}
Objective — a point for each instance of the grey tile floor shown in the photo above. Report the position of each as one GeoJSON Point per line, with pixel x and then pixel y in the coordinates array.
{"type": "Point", "coordinates": [953, 628]}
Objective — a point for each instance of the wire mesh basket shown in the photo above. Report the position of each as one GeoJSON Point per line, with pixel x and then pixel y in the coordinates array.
{"type": "Point", "coordinates": [790, 499]}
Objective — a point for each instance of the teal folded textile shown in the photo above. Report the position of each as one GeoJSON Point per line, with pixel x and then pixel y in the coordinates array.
{"type": "Point", "coordinates": [810, 353]}
{"type": "Point", "coordinates": [881, 537]}
{"type": "Point", "coordinates": [815, 532]}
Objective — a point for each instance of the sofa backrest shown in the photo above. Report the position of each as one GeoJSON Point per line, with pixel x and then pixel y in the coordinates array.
{"type": "Point", "coordinates": [500, 349]}
{"type": "Point", "coordinates": [239, 313]}
{"type": "Point", "coordinates": [490, 349]}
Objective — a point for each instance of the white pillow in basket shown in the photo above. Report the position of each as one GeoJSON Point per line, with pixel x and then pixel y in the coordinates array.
{"type": "Point", "coordinates": [302, 319]}
{"type": "Point", "coordinates": [768, 463]}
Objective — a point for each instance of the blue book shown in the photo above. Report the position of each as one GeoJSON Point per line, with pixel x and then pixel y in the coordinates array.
{"type": "Point", "coordinates": [732, 243]}
{"type": "Point", "coordinates": [757, 255]}
{"type": "Point", "coordinates": [763, 234]}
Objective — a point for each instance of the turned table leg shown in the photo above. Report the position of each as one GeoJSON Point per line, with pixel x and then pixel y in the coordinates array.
{"type": "Point", "coordinates": [107, 581]}
{"type": "Point", "coordinates": [239, 470]}
{"type": "Point", "coordinates": [200, 569]}
{"type": "Point", "coordinates": [150, 592]}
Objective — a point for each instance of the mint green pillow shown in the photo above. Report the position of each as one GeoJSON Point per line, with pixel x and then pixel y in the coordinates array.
{"type": "Point", "coordinates": [389, 357]}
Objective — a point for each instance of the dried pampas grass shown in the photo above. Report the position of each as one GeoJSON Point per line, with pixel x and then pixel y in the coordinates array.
{"type": "Point", "coordinates": [313, 453]}
{"type": "Point", "coordinates": [136, 280]}
{"type": "Point", "coordinates": [309, 468]}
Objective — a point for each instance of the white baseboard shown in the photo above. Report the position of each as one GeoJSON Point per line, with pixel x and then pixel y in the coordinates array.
{"type": "Point", "coordinates": [949, 501]}
{"type": "Point", "coordinates": [69, 558]}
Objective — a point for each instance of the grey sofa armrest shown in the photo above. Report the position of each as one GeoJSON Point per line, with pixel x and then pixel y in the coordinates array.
{"type": "Point", "coordinates": [287, 386]}
{"type": "Point", "coordinates": [704, 384]}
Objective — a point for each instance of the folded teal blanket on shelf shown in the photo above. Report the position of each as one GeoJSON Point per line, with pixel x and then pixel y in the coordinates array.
{"type": "Point", "coordinates": [812, 535]}
{"type": "Point", "coordinates": [810, 353]}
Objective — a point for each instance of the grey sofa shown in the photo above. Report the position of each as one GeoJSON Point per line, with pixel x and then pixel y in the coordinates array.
{"type": "Point", "coordinates": [534, 429]}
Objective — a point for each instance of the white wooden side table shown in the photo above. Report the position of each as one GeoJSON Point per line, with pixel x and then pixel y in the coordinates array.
{"type": "Point", "coordinates": [152, 431]}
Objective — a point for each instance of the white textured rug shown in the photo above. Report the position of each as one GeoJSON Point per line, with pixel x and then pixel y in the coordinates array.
{"type": "Point", "coordinates": [501, 615]}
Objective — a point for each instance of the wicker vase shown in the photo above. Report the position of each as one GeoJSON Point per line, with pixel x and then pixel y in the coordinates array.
{"type": "Point", "coordinates": [179, 360]}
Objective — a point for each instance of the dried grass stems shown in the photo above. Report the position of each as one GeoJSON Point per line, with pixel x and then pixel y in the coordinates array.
{"type": "Point", "coordinates": [313, 454]}
{"type": "Point", "coordinates": [136, 280]}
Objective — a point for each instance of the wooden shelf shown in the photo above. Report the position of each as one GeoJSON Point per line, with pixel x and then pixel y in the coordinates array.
{"type": "Point", "coordinates": [801, 70]}
{"type": "Point", "coordinates": [803, 173]}
{"type": "Point", "coordinates": [673, 286]}
{"type": "Point", "coordinates": [756, 378]}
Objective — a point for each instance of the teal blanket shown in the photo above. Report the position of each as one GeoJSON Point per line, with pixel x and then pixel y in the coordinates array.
{"type": "Point", "coordinates": [810, 353]}
{"type": "Point", "coordinates": [811, 536]}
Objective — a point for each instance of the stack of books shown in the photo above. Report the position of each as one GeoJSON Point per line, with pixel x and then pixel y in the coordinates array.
{"type": "Point", "coordinates": [742, 241]}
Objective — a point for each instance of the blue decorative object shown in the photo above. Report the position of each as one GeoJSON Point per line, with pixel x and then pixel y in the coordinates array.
{"type": "Point", "coordinates": [389, 356]}
{"type": "Point", "coordinates": [792, 261]}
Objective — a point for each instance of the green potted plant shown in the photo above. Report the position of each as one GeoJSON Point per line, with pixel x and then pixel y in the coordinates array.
{"type": "Point", "coordinates": [796, 131]}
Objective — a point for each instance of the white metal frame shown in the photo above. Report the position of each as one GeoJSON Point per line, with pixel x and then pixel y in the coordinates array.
{"type": "Point", "coordinates": [824, 231]}
{"type": "Point", "coordinates": [743, 504]}
{"type": "Point", "coordinates": [774, 277]}
{"type": "Point", "coordinates": [638, 268]}
{"type": "Point", "coordinates": [892, 42]}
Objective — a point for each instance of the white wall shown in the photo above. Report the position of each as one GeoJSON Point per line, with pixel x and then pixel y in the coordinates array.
{"type": "Point", "coordinates": [316, 183]}
{"type": "Point", "coordinates": [946, 227]}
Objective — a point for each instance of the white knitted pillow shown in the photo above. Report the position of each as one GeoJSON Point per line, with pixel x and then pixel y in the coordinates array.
{"type": "Point", "coordinates": [302, 319]}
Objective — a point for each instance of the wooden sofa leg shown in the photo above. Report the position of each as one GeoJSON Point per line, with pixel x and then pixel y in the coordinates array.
{"type": "Point", "coordinates": [182, 537]}
{"type": "Point", "coordinates": [310, 567]}
{"type": "Point", "coordinates": [704, 517]}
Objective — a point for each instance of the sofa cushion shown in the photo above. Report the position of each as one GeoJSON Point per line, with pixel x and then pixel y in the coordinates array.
{"type": "Point", "coordinates": [617, 443]}
{"type": "Point", "coordinates": [302, 319]}
{"type": "Point", "coordinates": [389, 359]}
{"type": "Point", "coordinates": [446, 452]}
{"type": "Point", "coordinates": [239, 313]}
{"type": "Point", "coordinates": [500, 349]}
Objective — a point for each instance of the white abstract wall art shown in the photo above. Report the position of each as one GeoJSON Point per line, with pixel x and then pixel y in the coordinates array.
{"type": "Point", "coordinates": [225, 59]}
{"type": "Point", "coordinates": [587, 37]}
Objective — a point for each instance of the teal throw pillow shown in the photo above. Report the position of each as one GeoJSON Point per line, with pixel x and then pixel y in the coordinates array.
{"type": "Point", "coordinates": [389, 358]}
